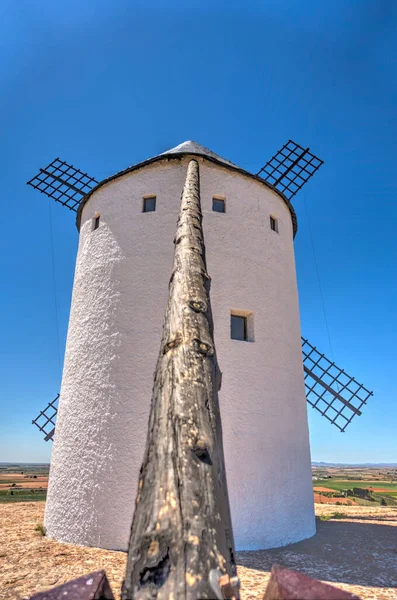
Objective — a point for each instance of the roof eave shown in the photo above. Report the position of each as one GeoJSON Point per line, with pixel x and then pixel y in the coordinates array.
{"type": "Point", "coordinates": [178, 155]}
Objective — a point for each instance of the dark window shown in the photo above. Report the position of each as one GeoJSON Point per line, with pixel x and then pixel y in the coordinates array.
{"type": "Point", "coordinates": [273, 224]}
{"type": "Point", "coordinates": [95, 222]}
{"type": "Point", "coordinates": [218, 205]}
{"type": "Point", "coordinates": [149, 204]}
{"type": "Point", "coordinates": [238, 327]}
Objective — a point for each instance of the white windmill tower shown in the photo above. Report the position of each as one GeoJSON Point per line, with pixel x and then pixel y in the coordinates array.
{"type": "Point", "coordinates": [126, 224]}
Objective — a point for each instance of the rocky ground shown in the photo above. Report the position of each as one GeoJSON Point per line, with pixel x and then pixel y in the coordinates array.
{"type": "Point", "coordinates": [357, 553]}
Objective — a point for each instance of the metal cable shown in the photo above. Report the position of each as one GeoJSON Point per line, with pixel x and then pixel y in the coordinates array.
{"type": "Point", "coordinates": [318, 278]}
{"type": "Point", "coordinates": [54, 285]}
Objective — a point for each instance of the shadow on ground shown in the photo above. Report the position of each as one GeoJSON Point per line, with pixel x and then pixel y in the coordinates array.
{"type": "Point", "coordinates": [362, 554]}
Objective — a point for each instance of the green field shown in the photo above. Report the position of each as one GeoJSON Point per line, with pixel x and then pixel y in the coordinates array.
{"type": "Point", "coordinates": [11, 499]}
{"type": "Point", "coordinates": [22, 496]}
{"type": "Point", "coordinates": [340, 484]}
{"type": "Point", "coordinates": [17, 479]}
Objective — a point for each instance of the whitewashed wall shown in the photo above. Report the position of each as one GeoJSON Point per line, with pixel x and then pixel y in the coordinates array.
{"type": "Point", "coordinates": [119, 298]}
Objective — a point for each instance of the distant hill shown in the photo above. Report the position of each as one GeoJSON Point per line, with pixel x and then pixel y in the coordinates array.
{"type": "Point", "coordinates": [355, 465]}
{"type": "Point", "coordinates": [314, 464]}
{"type": "Point", "coordinates": [23, 464]}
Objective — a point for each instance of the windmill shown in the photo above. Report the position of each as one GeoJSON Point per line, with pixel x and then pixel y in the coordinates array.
{"type": "Point", "coordinates": [329, 389]}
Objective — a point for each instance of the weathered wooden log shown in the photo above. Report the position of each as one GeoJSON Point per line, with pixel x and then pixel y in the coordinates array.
{"type": "Point", "coordinates": [181, 538]}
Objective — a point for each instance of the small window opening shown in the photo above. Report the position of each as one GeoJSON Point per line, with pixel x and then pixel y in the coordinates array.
{"type": "Point", "coordinates": [242, 325]}
{"type": "Point", "coordinates": [149, 204]}
{"type": "Point", "coordinates": [95, 222]}
{"type": "Point", "coordinates": [273, 224]}
{"type": "Point", "coordinates": [238, 328]}
{"type": "Point", "coordinates": [218, 205]}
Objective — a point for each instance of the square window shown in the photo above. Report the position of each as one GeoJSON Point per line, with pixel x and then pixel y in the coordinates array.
{"type": "Point", "coordinates": [149, 204]}
{"type": "Point", "coordinates": [242, 325]}
{"type": "Point", "coordinates": [238, 327]}
{"type": "Point", "coordinates": [95, 222]}
{"type": "Point", "coordinates": [218, 205]}
{"type": "Point", "coordinates": [273, 224]}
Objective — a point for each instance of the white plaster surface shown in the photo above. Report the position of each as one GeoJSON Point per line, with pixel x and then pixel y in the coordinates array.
{"type": "Point", "coordinates": [118, 304]}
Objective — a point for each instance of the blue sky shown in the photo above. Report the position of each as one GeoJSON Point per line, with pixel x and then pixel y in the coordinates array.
{"type": "Point", "coordinates": [107, 84]}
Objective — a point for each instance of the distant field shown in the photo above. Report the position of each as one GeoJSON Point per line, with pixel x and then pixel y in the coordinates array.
{"type": "Point", "coordinates": [21, 477]}
{"type": "Point", "coordinates": [319, 499]}
{"type": "Point", "coordinates": [340, 484]}
{"type": "Point", "coordinates": [22, 496]}
{"type": "Point", "coordinates": [27, 483]}
{"type": "Point", "coordinates": [381, 484]}
{"type": "Point", "coordinates": [23, 483]}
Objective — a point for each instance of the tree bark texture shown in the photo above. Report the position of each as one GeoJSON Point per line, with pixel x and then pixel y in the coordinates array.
{"type": "Point", "coordinates": [181, 538]}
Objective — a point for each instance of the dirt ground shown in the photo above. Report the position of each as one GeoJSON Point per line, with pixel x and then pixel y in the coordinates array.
{"type": "Point", "coordinates": [320, 499]}
{"type": "Point", "coordinates": [358, 554]}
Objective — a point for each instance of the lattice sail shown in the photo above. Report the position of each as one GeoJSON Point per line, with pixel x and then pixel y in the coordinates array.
{"type": "Point", "coordinates": [290, 168]}
{"type": "Point", "coordinates": [330, 390]}
{"type": "Point", "coordinates": [64, 183]}
{"type": "Point", "coordinates": [45, 421]}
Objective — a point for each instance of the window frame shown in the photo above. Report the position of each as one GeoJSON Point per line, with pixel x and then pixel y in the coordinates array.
{"type": "Point", "coordinates": [95, 221]}
{"type": "Point", "coordinates": [248, 325]}
{"type": "Point", "coordinates": [244, 319]}
{"type": "Point", "coordinates": [144, 201]}
{"type": "Point", "coordinates": [273, 220]}
{"type": "Point", "coordinates": [221, 199]}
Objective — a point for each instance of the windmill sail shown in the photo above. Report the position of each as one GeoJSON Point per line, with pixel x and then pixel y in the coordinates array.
{"type": "Point", "coordinates": [45, 421]}
{"type": "Point", "coordinates": [64, 183]}
{"type": "Point", "coordinates": [330, 390]}
{"type": "Point", "coordinates": [290, 168]}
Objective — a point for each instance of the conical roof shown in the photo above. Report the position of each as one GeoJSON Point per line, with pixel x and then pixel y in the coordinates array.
{"type": "Point", "coordinates": [191, 147]}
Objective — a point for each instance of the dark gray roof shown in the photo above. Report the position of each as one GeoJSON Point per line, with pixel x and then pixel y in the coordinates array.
{"type": "Point", "coordinates": [189, 148]}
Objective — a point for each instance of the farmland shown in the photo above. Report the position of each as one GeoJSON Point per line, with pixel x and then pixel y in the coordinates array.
{"type": "Point", "coordinates": [355, 485]}
{"type": "Point", "coordinates": [332, 485]}
{"type": "Point", "coordinates": [23, 483]}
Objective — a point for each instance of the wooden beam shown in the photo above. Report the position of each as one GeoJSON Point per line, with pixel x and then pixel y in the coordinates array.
{"type": "Point", "coordinates": [181, 544]}
{"type": "Point", "coordinates": [331, 391]}
{"type": "Point", "coordinates": [50, 435]}
{"type": "Point", "coordinates": [291, 166]}
{"type": "Point", "coordinates": [69, 185]}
